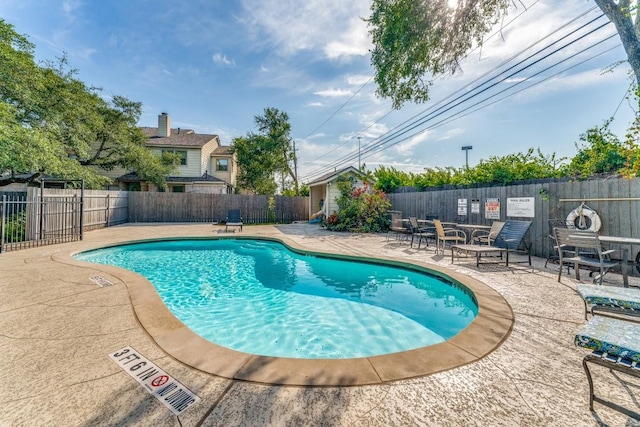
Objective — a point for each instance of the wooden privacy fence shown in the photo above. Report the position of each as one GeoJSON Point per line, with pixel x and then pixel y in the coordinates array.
{"type": "Point", "coordinates": [616, 200]}
{"type": "Point", "coordinates": [198, 207]}
{"type": "Point", "coordinates": [101, 208]}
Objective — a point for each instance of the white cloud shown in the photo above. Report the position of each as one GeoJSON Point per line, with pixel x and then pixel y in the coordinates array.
{"type": "Point", "coordinates": [592, 78]}
{"type": "Point", "coordinates": [354, 41]}
{"type": "Point", "coordinates": [315, 104]}
{"type": "Point", "coordinates": [69, 8]}
{"type": "Point", "coordinates": [375, 130]}
{"type": "Point", "coordinates": [222, 59]}
{"type": "Point", "coordinates": [292, 26]}
{"type": "Point", "coordinates": [83, 53]}
{"type": "Point", "coordinates": [358, 79]}
{"type": "Point", "coordinates": [282, 77]}
{"type": "Point", "coordinates": [407, 147]}
{"type": "Point", "coordinates": [333, 93]}
{"type": "Point", "coordinates": [451, 133]}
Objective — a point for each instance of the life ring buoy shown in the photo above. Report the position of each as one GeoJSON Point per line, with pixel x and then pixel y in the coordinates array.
{"type": "Point", "coordinates": [579, 216]}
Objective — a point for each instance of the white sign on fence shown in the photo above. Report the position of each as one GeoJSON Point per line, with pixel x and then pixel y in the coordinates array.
{"type": "Point", "coordinates": [462, 206]}
{"type": "Point", "coordinates": [475, 206]}
{"type": "Point", "coordinates": [521, 206]}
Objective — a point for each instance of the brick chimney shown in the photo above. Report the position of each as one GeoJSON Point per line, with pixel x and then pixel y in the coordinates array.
{"type": "Point", "coordinates": [164, 125]}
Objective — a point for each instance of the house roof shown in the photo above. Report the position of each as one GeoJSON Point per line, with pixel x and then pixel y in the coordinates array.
{"type": "Point", "coordinates": [20, 178]}
{"type": "Point", "coordinates": [178, 138]}
{"type": "Point", "coordinates": [333, 175]}
{"type": "Point", "coordinates": [133, 177]}
{"type": "Point", "coordinates": [222, 149]}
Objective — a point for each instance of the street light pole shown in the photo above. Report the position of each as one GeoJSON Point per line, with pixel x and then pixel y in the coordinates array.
{"type": "Point", "coordinates": [466, 149]}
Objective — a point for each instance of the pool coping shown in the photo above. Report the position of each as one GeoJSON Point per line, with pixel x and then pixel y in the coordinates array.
{"type": "Point", "coordinates": [490, 328]}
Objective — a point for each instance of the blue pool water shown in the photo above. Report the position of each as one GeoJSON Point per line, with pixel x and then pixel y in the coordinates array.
{"type": "Point", "coordinates": [259, 297]}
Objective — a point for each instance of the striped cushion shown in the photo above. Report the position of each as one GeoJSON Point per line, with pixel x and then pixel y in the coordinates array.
{"type": "Point", "coordinates": [613, 336]}
{"type": "Point", "coordinates": [627, 298]}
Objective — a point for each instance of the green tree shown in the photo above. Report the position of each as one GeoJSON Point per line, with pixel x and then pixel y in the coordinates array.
{"type": "Point", "coordinates": [414, 40]}
{"type": "Point", "coordinates": [513, 167]}
{"type": "Point", "coordinates": [274, 124]}
{"type": "Point", "coordinates": [52, 123]}
{"type": "Point", "coordinates": [263, 155]}
{"type": "Point", "coordinates": [632, 145]}
{"type": "Point", "coordinates": [435, 177]}
{"type": "Point", "coordinates": [303, 190]}
{"type": "Point", "coordinates": [255, 168]}
{"type": "Point", "coordinates": [600, 152]}
{"type": "Point", "coordinates": [495, 170]}
{"type": "Point", "coordinates": [388, 179]}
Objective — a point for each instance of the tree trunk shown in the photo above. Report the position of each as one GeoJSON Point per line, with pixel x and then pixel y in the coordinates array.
{"type": "Point", "coordinates": [620, 15]}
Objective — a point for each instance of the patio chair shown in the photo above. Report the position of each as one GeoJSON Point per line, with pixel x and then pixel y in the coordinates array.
{"type": "Point", "coordinates": [444, 235]}
{"type": "Point", "coordinates": [397, 226]}
{"type": "Point", "coordinates": [485, 237]}
{"type": "Point", "coordinates": [610, 299]}
{"type": "Point", "coordinates": [510, 238]}
{"type": "Point", "coordinates": [419, 232]}
{"type": "Point", "coordinates": [616, 346]}
{"type": "Point", "coordinates": [234, 219]}
{"type": "Point", "coordinates": [553, 223]}
{"type": "Point", "coordinates": [578, 240]}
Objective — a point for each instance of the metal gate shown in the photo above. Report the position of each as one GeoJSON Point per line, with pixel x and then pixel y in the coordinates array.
{"type": "Point", "coordinates": [39, 220]}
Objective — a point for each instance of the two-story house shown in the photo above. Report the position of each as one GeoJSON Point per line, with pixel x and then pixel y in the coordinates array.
{"type": "Point", "coordinates": [205, 166]}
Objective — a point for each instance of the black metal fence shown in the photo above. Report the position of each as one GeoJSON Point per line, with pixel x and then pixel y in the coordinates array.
{"type": "Point", "coordinates": [30, 220]}
{"type": "Point", "coordinates": [43, 216]}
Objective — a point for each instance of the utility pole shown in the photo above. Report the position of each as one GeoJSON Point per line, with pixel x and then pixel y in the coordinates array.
{"type": "Point", "coordinates": [295, 168]}
{"type": "Point", "coordinates": [359, 152]}
{"type": "Point", "coordinates": [466, 149]}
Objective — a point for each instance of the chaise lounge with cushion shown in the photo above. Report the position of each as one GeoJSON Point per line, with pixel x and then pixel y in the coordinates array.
{"type": "Point", "coordinates": [610, 299]}
{"type": "Point", "coordinates": [616, 346]}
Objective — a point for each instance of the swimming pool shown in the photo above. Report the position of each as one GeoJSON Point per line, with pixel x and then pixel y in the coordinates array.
{"type": "Point", "coordinates": [259, 297]}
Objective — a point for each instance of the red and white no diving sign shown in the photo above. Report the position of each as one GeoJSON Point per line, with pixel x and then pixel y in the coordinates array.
{"type": "Point", "coordinates": [162, 386]}
{"type": "Point", "coordinates": [160, 380]}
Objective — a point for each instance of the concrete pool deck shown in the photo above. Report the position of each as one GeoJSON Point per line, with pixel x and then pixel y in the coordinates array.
{"type": "Point", "coordinates": [57, 328]}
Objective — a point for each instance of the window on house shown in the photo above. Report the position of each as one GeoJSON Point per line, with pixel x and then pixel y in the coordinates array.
{"type": "Point", "coordinates": [133, 186]}
{"type": "Point", "coordinates": [181, 153]}
{"type": "Point", "coordinates": [222, 165]}
{"type": "Point", "coordinates": [177, 188]}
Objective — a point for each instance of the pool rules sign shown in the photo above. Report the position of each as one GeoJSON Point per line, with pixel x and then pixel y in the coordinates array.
{"type": "Point", "coordinates": [158, 383]}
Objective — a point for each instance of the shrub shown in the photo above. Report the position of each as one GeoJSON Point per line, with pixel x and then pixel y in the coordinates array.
{"type": "Point", "coordinates": [362, 210]}
{"type": "Point", "coordinates": [15, 228]}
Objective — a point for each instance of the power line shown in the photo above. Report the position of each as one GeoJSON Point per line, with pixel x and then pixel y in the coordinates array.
{"type": "Point", "coordinates": [466, 112]}
{"type": "Point", "coordinates": [631, 85]}
{"type": "Point", "coordinates": [361, 133]}
{"type": "Point", "coordinates": [406, 126]}
{"type": "Point", "coordinates": [340, 108]}
{"type": "Point", "coordinates": [375, 149]}
{"type": "Point", "coordinates": [453, 118]}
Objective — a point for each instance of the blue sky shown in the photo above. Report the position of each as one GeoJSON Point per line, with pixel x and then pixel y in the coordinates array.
{"type": "Point", "coordinates": [214, 65]}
